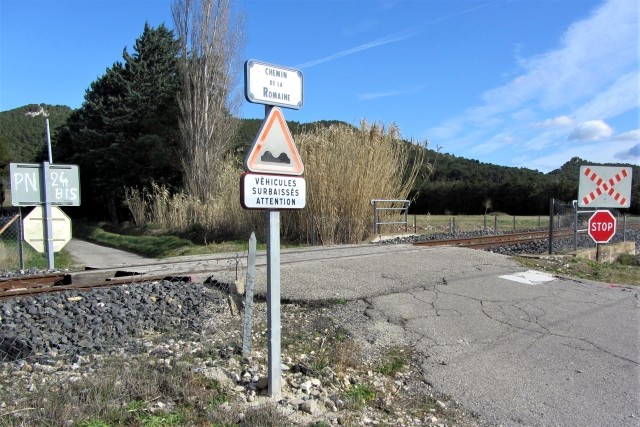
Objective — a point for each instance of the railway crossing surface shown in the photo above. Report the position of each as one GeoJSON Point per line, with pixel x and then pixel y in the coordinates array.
{"type": "Point", "coordinates": [517, 349]}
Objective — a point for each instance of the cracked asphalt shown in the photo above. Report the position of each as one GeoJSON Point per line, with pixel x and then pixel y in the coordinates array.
{"type": "Point", "coordinates": [558, 353]}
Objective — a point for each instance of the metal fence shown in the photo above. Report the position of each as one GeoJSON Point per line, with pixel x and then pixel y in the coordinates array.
{"type": "Point", "coordinates": [568, 216]}
{"type": "Point", "coordinates": [11, 250]}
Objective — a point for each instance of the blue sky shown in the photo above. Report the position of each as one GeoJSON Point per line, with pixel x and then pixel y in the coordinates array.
{"type": "Point", "coordinates": [525, 83]}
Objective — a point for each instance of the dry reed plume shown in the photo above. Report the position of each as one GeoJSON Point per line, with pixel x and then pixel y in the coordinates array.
{"type": "Point", "coordinates": [345, 167]}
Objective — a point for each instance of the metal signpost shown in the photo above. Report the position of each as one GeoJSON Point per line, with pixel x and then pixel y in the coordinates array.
{"type": "Point", "coordinates": [273, 181]}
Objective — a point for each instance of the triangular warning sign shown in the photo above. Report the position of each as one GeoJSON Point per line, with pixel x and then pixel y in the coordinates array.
{"type": "Point", "coordinates": [273, 150]}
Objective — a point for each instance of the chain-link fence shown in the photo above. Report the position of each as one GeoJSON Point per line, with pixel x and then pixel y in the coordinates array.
{"type": "Point", "coordinates": [568, 217]}
{"type": "Point", "coordinates": [11, 251]}
{"type": "Point", "coordinates": [15, 254]}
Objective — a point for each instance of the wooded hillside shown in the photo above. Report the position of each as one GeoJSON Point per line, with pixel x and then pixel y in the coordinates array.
{"type": "Point", "coordinates": [22, 130]}
{"type": "Point", "coordinates": [456, 186]}
{"type": "Point", "coordinates": [462, 186]}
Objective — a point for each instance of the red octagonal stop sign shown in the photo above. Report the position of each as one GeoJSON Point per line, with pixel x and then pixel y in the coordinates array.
{"type": "Point", "coordinates": [602, 226]}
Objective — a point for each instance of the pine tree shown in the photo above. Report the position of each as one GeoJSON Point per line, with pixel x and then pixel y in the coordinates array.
{"type": "Point", "coordinates": [125, 133]}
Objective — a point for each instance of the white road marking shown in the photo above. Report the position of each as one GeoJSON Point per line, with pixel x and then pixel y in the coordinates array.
{"type": "Point", "coordinates": [529, 277]}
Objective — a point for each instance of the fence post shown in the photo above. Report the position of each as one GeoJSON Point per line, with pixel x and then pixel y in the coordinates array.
{"type": "Point", "coordinates": [20, 232]}
{"type": "Point", "coordinates": [248, 306]}
{"type": "Point", "coordinates": [514, 223]}
{"type": "Point", "coordinates": [575, 225]}
{"type": "Point", "coordinates": [551, 218]}
{"type": "Point", "coordinates": [406, 218]}
{"type": "Point", "coordinates": [495, 224]}
{"type": "Point", "coordinates": [375, 218]}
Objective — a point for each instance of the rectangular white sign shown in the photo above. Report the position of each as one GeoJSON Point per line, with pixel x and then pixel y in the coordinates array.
{"type": "Point", "coordinates": [63, 184]}
{"type": "Point", "coordinates": [272, 85]}
{"type": "Point", "coordinates": [604, 187]}
{"type": "Point", "coordinates": [260, 191]}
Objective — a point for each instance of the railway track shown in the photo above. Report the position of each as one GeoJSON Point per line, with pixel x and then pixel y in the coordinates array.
{"type": "Point", "coordinates": [485, 242]}
{"type": "Point", "coordinates": [182, 269]}
{"type": "Point", "coordinates": [186, 270]}
{"type": "Point", "coordinates": [31, 285]}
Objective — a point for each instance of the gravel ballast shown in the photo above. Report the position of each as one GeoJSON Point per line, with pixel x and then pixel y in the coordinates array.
{"type": "Point", "coordinates": [103, 318]}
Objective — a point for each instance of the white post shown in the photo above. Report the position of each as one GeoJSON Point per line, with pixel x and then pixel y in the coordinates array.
{"type": "Point", "coordinates": [273, 301]}
{"type": "Point", "coordinates": [48, 140]}
{"type": "Point", "coordinates": [248, 306]}
{"type": "Point", "coordinates": [48, 225]}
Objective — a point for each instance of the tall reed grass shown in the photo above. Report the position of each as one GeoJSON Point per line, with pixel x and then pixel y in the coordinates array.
{"type": "Point", "coordinates": [345, 167]}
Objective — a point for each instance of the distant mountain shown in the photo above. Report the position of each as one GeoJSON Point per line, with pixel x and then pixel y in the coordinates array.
{"type": "Point", "coordinates": [455, 185]}
{"type": "Point", "coordinates": [22, 130]}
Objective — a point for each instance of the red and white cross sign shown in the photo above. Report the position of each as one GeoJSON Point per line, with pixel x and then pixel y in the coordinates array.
{"type": "Point", "coordinates": [604, 187]}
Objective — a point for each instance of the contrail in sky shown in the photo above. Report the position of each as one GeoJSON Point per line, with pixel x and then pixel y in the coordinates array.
{"type": "Point", "coordinates": [402, 35]}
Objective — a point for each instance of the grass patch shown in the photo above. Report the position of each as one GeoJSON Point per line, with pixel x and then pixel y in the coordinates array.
{"type": "Point", "coordinates": [395, 361]}
{"type": "Point", "coordinates": [359, 395]}
{"type": "Point", "coordinates": [625, 271]}
{"type": "Point", "coordinates": [148, 246]}
{"type": "Point", "coordinates": [10, 257]}
{"type": "Point", "coordinates": [630, 260]}
{"type": "Point", "coordinates": [93, 401]}
{"type": "Point", "coordinates": [152, 242]}
{"type": "Point", "coordinates": [492, 221]}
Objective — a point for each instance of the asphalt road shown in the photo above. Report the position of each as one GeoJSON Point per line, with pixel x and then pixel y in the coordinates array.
{"type": "Point", "coordinates": [558, 352]}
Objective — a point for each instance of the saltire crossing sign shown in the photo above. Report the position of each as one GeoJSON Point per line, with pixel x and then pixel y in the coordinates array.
{"type": "Point", "coordinates": [604, 187]}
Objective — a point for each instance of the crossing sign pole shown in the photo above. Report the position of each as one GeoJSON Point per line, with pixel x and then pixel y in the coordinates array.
{"type": "Point", "coordinates": [274, 368]}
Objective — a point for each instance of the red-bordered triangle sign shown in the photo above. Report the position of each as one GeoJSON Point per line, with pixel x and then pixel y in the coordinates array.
{"type": "Point", "coordinates": [273, 150]}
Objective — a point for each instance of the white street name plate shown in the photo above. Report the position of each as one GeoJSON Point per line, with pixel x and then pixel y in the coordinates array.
{"type": "Point", "coordinates": [261, 191]}
{"type": "Point", "coordinates": [273, 85]}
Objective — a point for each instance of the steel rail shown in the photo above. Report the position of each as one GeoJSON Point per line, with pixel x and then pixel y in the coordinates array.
{"type": "Point", "coordinates": [87, 280]}
{"type": "Point", "coordinates": [495, 240]}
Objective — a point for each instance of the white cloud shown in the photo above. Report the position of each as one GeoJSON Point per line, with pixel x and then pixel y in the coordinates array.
{"type": "Point", "coordinates": [487, 147]}
{"type": "Point", "coordinates": [631, 155]}
{"type": "Point", "coordinates": [391, 38]}
{"type": "Point", "coordinates": [359, 27]}
{"type": "Point", "coordinates": [556, 121]}
{"type": "Point", "coordinates": [621, 96]}
{"type": "Point", "coordinates": [375, 95]}
{"type": "Point", "coordinates": [592, 73]}
{"type": "Point", "coordinates": [579, 67]}
{"type": "Point", "coordinates": [633, 135]}
{"type": "Point", "coordinates": [591, 130]}
{"type": "Point", "coordinates": [593, 152]}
